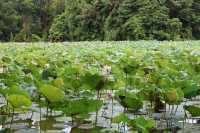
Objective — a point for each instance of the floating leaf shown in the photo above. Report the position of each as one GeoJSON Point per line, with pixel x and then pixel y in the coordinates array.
{"type": "Point", "coordinates": [143, 125]}
{"type": "Point", "coordinates": [193, 110]}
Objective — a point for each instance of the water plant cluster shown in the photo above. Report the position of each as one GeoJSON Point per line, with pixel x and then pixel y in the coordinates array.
{"type": "Point", "coordinates": [74, 79]}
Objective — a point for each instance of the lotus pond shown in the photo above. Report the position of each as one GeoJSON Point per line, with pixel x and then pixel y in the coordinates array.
{"type": "Point", "coordinates": [100, 87]}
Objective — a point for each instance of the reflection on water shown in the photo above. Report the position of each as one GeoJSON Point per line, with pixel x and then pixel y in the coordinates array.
{"type": "Point", "coordinates": [193, 121]}
{"type": "Point", "coordinates": [67, 129]}
{"type": "Point", "coordinates": [61, 124]}
{"type": "Point", "coordinates": [47, 125]}
{"type": "Point", "coordinates": [93, 130]}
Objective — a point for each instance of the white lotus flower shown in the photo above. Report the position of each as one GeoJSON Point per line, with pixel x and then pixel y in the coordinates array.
{"type": "Point", "coordinates": [106, 70]}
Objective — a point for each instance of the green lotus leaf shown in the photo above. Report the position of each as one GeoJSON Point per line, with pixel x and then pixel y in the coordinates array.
{"type": "Point", "coordinates": [19, 101]}
{"type": "Point", "coordinates": [129, 100]}
{"type": "Point", "coordinates": [16, 90]}
{"type": "Point", "coordinates": [122, 118]}
{"type": "Point", "coordinates": [58, 82]}
{"type": "Point", "coordinates": [93, 81]}
{"type": "Point", "coordinates": [82, 107]}
{"type": "Point", "coordinates": [190, 89]}
{"type": "Point", "coordinates": [143, 125]}
{"type": "Point", "coordinates": [51, 93]}
{"type": "Point", "coordinates": [193, 110]}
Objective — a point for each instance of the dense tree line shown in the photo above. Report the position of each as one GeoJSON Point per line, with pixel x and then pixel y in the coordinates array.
{"type": "Point", "coordinates": [78, 20]}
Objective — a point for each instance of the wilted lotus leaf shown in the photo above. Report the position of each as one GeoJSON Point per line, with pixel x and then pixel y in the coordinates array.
{"type": "Point", "coordinates": [174, 96]}
{"type": "Point", "coordinates": [171, 95]}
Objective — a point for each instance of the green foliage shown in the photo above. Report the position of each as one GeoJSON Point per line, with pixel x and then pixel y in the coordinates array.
{"type": "Point", "coordinates": [3, 119]}
{"type": "Point", "coordinates": [129, 64]}
{"type": "Point", "coordinates": [51, 93]}
{"type": "Point", "coordinates": [133, 29]}
{"type": "Point", "coordinates": [9, 20]}
{"type": "Point", "coordinates": [69, 77]}
{"type": "Point", "coordinates": [59, 28]}
{"type": "Point", "coordinates": [129, 100]}
{"type": "Point", "coordinates": [140, 124]}
{"type": "Point", "coordinates": [193, 110]}
{"type": "Point", "coordinates": [75, 20]}
{"type": "Point", "coordinates": [82, 107]}
{"type": "Point", "coordinates": [174, 96]}
{"type": "Point", "coordinates": [48, 73]}
{"type": "Point", "coordinates": [122, 118]}
{"type": "Point", "coordinates": [58, 82]}
{"type": "Point", "coordinates": [19, 101]}
{"type": "Point", "coordinates": [16, 90]}
{"type": "Point", "coordinates": [190, 89]}
{"type": "Point", "coordinates": [143, 125]}
{"type": "Point", "coordinates": [93, 81]}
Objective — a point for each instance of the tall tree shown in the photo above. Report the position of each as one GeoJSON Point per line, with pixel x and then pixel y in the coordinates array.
{"type": "Point", "coordinates": [9, 20]}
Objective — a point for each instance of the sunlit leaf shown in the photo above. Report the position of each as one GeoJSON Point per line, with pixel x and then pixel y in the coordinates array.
{"type": "Point", "coordinates": [51, 93]}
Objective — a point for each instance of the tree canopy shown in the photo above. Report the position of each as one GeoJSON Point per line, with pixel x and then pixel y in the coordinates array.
{"type": "Point", "coordinates": [88, 20]}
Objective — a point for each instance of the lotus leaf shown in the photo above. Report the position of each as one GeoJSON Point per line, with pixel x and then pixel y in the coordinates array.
{"type": "Point", "coordinates": [19, 101]}
{"type": "Point", "coordinates": [51, 93]}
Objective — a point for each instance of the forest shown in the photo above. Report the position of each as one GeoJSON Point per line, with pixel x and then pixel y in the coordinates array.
{"type": "Point", "coordinates": [99, 20]}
